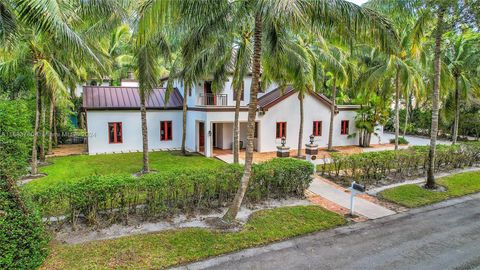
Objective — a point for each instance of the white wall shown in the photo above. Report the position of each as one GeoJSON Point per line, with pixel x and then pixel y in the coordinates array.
{"type": "Point", "coordinates": [129, 83]}
{"type": "Point", "coordinates": [288, 111]}
{"type": "Point", "coordinates": [197, 91]}
{"type": "Point", "coordinates": [97, 123]}
{"type": "Point", "coordinates": [285, 111]}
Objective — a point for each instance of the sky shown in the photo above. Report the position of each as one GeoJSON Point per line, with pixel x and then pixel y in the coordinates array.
{"type": "Point", "coordinates": [358, 2]}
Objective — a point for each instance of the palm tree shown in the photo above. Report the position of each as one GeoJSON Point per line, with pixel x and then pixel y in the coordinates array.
{"type": "Point", "coordinates": [461, 57]}
{"type": "Point", "coordinates": [439, 30]}
{"type": "Point", "coordinates": [337, 63]}
{"type": "Point", "coordinates": [293, 14]}
{"type": "Point", "coordinates": [242, 66]}
{"type": "Point", "coordinates": [297, 65]}
{"type": "Point", "coordinates": [41, 44]}
{"type": "Point", "coordinates": [148, 74]}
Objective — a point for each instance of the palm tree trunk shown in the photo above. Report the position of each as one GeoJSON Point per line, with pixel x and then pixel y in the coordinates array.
{"type": "Point", "coordinates": [435, 100]}
{"type": "Point", "coordinates": [143, 113]}
{"type": "Point", "coordinates": [50, 124]}
{"type": "Point", "coordinates": [252, 112]}
{"type": "Point", "coordinates": [186, 90]}
{"type": "Point", "coordinates": [236, 126]}
{"type": "Point", "coordinates": [332, 114]}
{"type": "Point", "coordinates": [300, 131]}
{"type": "Point", "coordinates": [34, 165]}
{"type": "Point", "coordinates": [55, 137]}
{"type": "Point", "coordinates": [43, 130]}
{"type": "Point", "coordinates": [457, 112]}
{"type": "Point", "coordinates": [406, 116]}
{"type": "Point", "coordinates": [397, 107]}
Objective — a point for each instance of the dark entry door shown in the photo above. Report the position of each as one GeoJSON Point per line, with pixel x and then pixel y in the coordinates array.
{"type": "Point", "coordinates": [201, 135]}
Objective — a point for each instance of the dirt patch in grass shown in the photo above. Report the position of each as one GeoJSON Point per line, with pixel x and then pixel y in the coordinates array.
{"type": "Point", "coordinates": [64, 233]}
{"type": "Point", "coordinates": [173, 247]}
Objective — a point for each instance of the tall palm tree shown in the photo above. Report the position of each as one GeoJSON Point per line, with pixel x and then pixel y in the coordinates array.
{"type": "Point", "coordinates": [32, 35]}
{"type": "Point", "coordinates": [293, 14]}
{"type": "Point", "coordinates": [336, 62]}
{"type": "Point", "coordinates": [148, 74]}
{"type": "Point", "coordinates": [297, 65]}
{"type": "Point", "coordinates": [461, 57]}
{"type": "Point", "coordinates": [439, 30]}
{"type": "Point", "coordinates": [242, 66]}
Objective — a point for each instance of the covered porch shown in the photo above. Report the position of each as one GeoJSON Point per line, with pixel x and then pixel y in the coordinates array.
{"type": "Point", "coordinates": [216, 138]}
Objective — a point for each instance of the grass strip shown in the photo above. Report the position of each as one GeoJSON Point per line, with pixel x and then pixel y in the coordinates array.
{"type": "Point", "coordinates": [168, 248]}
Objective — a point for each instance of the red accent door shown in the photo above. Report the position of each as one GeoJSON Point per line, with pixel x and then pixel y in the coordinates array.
{"type": "Point", "coordinates": [201, 135]}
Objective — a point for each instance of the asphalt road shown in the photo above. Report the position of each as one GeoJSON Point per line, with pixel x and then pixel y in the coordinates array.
{"type": "Point", "coordinates": [442, 236]}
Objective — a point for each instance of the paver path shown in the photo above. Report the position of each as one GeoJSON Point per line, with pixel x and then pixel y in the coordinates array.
{"type": "Point", "coordinates": [339, 196]}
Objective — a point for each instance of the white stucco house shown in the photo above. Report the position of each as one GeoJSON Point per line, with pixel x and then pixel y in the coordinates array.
{"type": "Point", "coordinates": [114, 123]}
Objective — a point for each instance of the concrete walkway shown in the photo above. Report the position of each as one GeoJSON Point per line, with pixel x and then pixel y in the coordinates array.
{"type": "Point", "coordinates": [341, 197]}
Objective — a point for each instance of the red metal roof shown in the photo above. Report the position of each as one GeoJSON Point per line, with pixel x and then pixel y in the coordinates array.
{"type": "Point", "coordinates": [275, 96]}
{"type": "Point", "coordinates": [112, 97]}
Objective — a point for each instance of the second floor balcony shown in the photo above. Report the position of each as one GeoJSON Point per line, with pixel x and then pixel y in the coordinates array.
{"type": "Point", "coordinates": [212, 100]}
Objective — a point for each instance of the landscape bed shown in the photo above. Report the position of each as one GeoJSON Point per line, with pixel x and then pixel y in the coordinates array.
{"type": "Point", "coordinates": [414, 195]}
{"type": "Point", "coordinates": [375, 169]}
{"type": "Point", "coordinates": [169, 248]}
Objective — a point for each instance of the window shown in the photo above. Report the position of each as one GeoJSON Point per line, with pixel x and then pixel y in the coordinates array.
{"type": "Point", "coordinates": [115, 132]}
{"type": "Point", "coordinates": [344, 127]}
{"type": "Point", "coordinates": [317, 128]}
{"type": "Point", "coordinates": [281, 130]}
{"type": "Point", "coordinates": [166, 131]}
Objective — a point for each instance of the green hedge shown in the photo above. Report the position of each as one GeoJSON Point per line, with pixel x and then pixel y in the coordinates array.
{"type": "Point", "coordinates": [372, 167]}
{"type": "Point", "coordinates": [23, 240]}
{"type": "Point", "coordinates": [166, 193]}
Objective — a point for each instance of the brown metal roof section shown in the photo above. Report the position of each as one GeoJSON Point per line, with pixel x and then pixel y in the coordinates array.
{"type": "Point", "coordinates": [113, 97]}
{"type": "Point", "coordinates": [274, 97]}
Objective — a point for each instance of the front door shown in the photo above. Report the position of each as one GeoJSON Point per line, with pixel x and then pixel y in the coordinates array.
{"type": "Point", "coordinates": [201, 136]}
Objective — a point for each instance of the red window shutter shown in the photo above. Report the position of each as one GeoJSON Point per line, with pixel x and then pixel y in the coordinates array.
{"type": "Point", "coordinates": [166, 130]}
{"type": "Point", "coordinates": [115, 132]}
{"type": "Point", "coordinates": [281, 130]}
{"type": "Point", "coordinates": [344, 128]}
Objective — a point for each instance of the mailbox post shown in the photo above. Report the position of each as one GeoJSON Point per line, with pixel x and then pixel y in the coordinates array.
{"type": "Point", "coordinates": [355, 189]}
{"type": "Point", "coordinates": [311, 150]}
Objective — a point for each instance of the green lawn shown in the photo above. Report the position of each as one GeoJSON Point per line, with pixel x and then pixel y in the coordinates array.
{"type": "Point", "coordinates": [414, 195]}
{"type": "Point", "coordinates": [164, 249]}
{"type": "Point", "coordinates": [74, 167]}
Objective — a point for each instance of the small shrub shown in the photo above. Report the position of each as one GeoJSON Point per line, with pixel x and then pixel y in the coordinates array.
{"type": "Point", "coordinates": [401, 140]}
{"type": "Point", "coordinates": [167, 193]}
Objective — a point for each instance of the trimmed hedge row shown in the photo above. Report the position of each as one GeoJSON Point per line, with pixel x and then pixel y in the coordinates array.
{"type": "Point", "coordinates": [161, 194]}
{"type": "Point", "coordinates": [372, 167]}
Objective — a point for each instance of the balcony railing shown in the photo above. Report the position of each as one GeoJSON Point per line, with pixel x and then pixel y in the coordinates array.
{"type": "Point", "coordinates": [213, 100]}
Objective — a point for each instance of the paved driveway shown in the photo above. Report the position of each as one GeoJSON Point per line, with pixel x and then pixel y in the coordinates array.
{"type": "Point", "coordinates": [413, 140]}
{"type": "Point", "coordinates": [443, 236]}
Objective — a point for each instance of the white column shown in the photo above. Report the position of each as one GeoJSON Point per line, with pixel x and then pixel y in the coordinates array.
{"type": "Point", "coordinates": [208, 139]}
